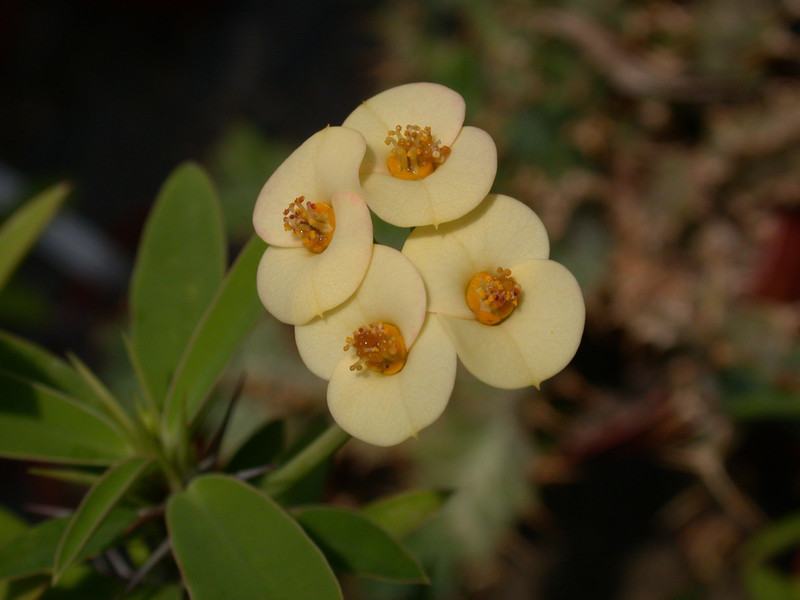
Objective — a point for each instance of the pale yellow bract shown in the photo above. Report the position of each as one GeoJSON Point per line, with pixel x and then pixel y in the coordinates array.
{"type": "Point", "coordinates": [541, 335]}
{"type": "Point", "coordinates": [372, 406]}
{"type": "Point", "coordinates": [294, 283]}
{"type": "Point", "coordinates": [454, 187]}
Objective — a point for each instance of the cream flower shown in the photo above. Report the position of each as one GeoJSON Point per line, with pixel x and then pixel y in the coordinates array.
{"type": "Point", "coordinates": [515, 317]}
{"type": "Point", "coordinates": [391, 370]}
{"type": "Point", "coordinates": [312, 213]}
{"type": "Point", "coordinates": [422, 167]}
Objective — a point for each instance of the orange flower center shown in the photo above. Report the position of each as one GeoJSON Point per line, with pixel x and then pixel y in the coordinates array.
{"type": "Point", "coordinates": [414, 154]}
{"type": "Point", "coordinates": [313, 222]}
{"type": "Point", "coordinates": [379, 347]}
{"type": "Point", "coordinates": [493, 297]}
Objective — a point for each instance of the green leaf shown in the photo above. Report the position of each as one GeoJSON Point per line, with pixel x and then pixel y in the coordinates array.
{"type": "Point", "coordinates": [27, 360]}
{"type": "Point", "coordinates": [10, 525]}
{"type": "Point", "coordinates": [403, 513]}
{"type": "Point", "coordinates": [82, 582]}
{"type": "Point", "coordinates": [21, 230]}
{"type": "Point", "coordinates": [87, 584]}
{"type": "Point", "coordinates": [774, 539]}
{"type": "Point", "coordinates": [232, 541]}
{"type": "Point", "coordinates": [766, 404]}
{"type": "Point", "coordinates": [354, 544]}
{"type": "Point", "coordinates": [225, 323]}
{"type": "Point", "coordinates": [260, 449]}
{"type": "Point", "coordinates": [34, 551]}
{"type": "Point", "coordinates": [166, 592]}
{"type": "Point", "coordinates": [767, 583]}
{"type": "Point", "coordinates": [38, 423]}
{"type": "Point", "coordinates": [94, 509]}
{"type": "Point", "coordinates": [179, 267]}
{"type": "Point", "coordinates": [389, 235]}
{"type": "Point", "coordinates": [28, 588]}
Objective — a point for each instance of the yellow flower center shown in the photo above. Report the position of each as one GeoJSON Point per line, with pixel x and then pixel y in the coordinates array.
{"type": "Point", "coordinates": [379, 347]}
{"type": "Point", "coordinates": [493, 297]}
{"type": "Point", "coordinates": [414, 154]}
{"type": "Point", "coordinates": [313, 222]}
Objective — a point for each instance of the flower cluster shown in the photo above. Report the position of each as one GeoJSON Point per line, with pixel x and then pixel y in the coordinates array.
{"type": "Point", "coordinates": [473, 280]}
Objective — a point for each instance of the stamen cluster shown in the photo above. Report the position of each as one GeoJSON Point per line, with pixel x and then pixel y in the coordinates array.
{"type": "Point", "coordinates": [493, 297]}
{"type": "Point", "coordinates": [496, 290]}
{"type": "Point", "coordinates": [414, 154]}
{"type": "Point", "coordinates": [313, 222]}
{"type": "Point", "coordinates": [379, 346]}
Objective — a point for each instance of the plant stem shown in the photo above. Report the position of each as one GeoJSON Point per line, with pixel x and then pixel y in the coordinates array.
{"type": "Point", "coordinates": [173, 477]}
{"type": "Point", "coordinates": [152, 448]}
{"type": "Point", "coordinates": [302, 463]}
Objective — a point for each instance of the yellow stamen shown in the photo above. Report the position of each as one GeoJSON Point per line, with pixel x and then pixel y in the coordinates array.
{"type": "Point", "coordinates": [415, 154]}
{"type": "Point", "coordinates": [379, 347]}
{"type": "Point", "coordinates": [314, 222]}
{"type": "Point", "coordinates": [493, 297]}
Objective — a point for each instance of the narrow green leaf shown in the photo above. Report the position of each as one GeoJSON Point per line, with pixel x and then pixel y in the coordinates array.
{"type": "Point", "coordinates": [225, 323]}
{"type": "Point", "coordinates": [21, 230]}
{"type": "Point", "coordinates": [38, 423]}
{"type": "Point", "coordinates": [25, 360]}
{"type": "Point", "coordinates": [247, 548]}
{"type": "Point", "coordinates": [75, 476]}
{"type": "Point", "coordinates": [29, 361]}
{"type": "Point", "coordinates": [93, 510]}
{"type": "Point", "coordinates": [34, 550]}
{"type": "Point", "coordinates": [112, 407]}
{"type": "Point", "coordinates": [354, 544]}
{"type": "Point", "coordinates": [403, 513]}
{"type": "Point", "coordinates": [179, 267]}
{"type": "Point", "coordinates": [146, 409]}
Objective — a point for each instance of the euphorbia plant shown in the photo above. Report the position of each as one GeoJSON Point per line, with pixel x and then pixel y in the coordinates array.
{"type": "Point", "coordinates": [162, 506]}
